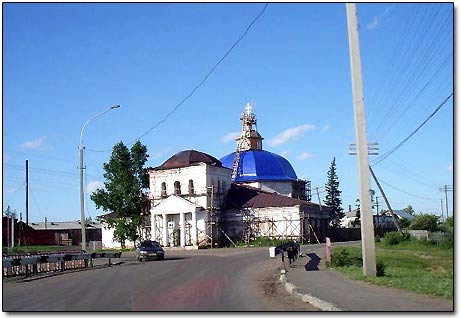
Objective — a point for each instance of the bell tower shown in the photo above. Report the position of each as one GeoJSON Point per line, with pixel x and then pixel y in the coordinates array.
{"type": "Point", "coordinates": [249, 138]}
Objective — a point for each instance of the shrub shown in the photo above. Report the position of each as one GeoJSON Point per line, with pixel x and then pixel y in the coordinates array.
{"type": "Point", "coordinates": [394, 238]}
{"type": "Point", "coordinates": [428, 222]}
{"type": "Point", "coordinates": [344, 259]}
{"type": "Point", "coordinates": [380, 267]}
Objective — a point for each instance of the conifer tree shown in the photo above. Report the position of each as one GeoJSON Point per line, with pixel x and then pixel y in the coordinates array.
{"type": "Point", "coordinates": [333, 196]}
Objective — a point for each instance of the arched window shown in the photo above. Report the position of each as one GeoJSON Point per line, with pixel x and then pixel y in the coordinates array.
{"type": "Point", "coordinates": [163, 190]}
{"type": "Point", "coordinates": [177, 187]}
{"type": "Point", "coordinates": [191, 187]}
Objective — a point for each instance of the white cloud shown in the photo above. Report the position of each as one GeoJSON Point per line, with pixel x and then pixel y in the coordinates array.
{"type": "Point", "coordinates": [11, 189]}
{"type": "Point", "coordinates": [326, 127]}
{"type": "Point", "coordinates": [284, 153]}
{"type": "Point", "coordinates": [33, 144]}
{"type": "Point", "coordinates": [375, 23]}
{"type": "Point", "coordinates": [156, 155]}
{"type": "Point", "coordinates": [377, 20]}
{"type": "Point", "coordinates": [229, 137]}
{"type": "Point", "coordinates": [93, 186]}
{"type": "Point", "coordinates": [304, 156]}
{"type": "Point", "coordinates": [294, 133]}
{"type": "Point", "coordinates": [450, 167]}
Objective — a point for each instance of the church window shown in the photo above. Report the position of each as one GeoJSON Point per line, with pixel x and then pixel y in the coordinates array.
{"type": "Point", "coordinates": [177, 187]}
{"type": "Point", "coordinates": [191, 187]}
{"type": "Point", "coordinates": [163, 190]}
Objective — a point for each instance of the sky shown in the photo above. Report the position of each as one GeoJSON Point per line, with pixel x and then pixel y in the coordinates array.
{"type": "Point", "coordinates": [65, 63]}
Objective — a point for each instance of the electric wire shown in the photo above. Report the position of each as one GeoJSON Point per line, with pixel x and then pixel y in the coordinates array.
{"type": "Point", "coordinates": [403, 191]}
{"type": "Point", "coordinates": [192, 92]}
{"type": "Point", "coordinates": [383, 157]}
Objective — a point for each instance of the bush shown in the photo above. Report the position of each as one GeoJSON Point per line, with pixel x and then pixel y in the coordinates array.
{"type": "Point", "coordinates": [344, 259]}
{"type": "Point", "coordinates": [427, 222]}
{"type": "Point", "coordinates": [394, 238]}
{"type": "Point", "coordinates": [380, 267]}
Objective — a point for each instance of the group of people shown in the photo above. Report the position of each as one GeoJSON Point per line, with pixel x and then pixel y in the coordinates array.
{"type": "Point", "coordinates": [292, 252]}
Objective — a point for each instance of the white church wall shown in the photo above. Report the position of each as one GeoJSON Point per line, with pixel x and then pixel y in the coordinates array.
{"type": "Point", "coordinates": [281, 187]}
{"type": "Point", "coordinates": [202, 175]}
{"type": "Point", "coordinates": [274, 221]}
{"type": "Point", "coordinates": [108, 241]}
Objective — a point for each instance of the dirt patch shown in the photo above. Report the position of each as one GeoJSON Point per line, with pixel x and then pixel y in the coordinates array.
{"type": "Point", "coordinates": [437, 269]}
{"type": "Point", "coordinates": [275, 294]}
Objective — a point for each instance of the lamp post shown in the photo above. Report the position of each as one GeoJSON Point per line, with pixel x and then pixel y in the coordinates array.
{"type": "Point", "coordinates": [82, 196]}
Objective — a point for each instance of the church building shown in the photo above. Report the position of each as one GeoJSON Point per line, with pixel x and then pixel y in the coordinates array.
{"type": "Point", "coordinates": [198, 200]}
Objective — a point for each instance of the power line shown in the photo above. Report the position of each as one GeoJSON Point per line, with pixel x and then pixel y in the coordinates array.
{"type": "Point", "coordinates": [199, 84]}
{"type": "Point", "coordinates": [403, 191]}
{"type": "Point", "coordinates": [414, 132]}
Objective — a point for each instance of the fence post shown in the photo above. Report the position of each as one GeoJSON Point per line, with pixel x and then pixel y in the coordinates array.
{"type": "Point", "coordinates": [328, 247]}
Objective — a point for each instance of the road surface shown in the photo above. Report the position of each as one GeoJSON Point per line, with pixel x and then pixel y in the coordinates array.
{"type": "Point", "coordinates": [227, 280]}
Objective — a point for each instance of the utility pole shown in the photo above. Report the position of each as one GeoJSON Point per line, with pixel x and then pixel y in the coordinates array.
{"type": "Point", "coordinates": [367, 231]}
{"type": "Point", "coordinates": [318, 196]}
{"type": "Point", "coordinates": [8, 227]}
{"type": "Point", "coordinates": [377, 212]}
{"type": "Point", "coordinates": [27, 203]}
{"type": "Point", "coordinates": [445, 189]}
{"type": "Point", "coordinates": [12, 232]}
{"type": "Point", "coordinates": [441, 207]}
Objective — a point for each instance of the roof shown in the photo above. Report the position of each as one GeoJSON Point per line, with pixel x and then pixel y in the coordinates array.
{"type": "Point", "coordinates": [175, 204]}
{"type": "Point", "coordinates": [260, 165]}
{"type": "Point", "coordinates": [248, 197]}
{"type": "Point", "coordinates": [401, 214]}
{"type": "Point", "coordinates": [188, 158]}
{"type": "Point", "coordinates": [68, 225]}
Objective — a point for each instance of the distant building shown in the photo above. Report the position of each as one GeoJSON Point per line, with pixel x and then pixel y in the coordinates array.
{"type": "Point", "coordinates": [60, 233]}
{"type": "Point", "coordinates": [385, 220]}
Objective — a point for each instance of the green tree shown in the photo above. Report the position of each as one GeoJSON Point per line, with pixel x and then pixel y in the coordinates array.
{"type": "Point", "coordinates": [126, 181]}
{"type": "Point", "coordinates": [409, 210]}
{"type": "Point", "coordinates": [403, 223]}
{"type": "Point", "coordinates": [428, 222]}
{"type": "Point", "coordinates": [356, 222]}
{"type": "Point", "coordinates": [449, 221]}
{"type": "Point", "coordinates": [333, 196]}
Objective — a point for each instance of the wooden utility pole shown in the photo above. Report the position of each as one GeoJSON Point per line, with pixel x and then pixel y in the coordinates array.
{"type": "Point", "coordinates": [367, 231]}
{"type": "Point", "coordinates": [27, 193]}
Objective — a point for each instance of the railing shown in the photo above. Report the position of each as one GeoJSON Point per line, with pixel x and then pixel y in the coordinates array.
{"type": "Point", "coordinates": [18, 265]}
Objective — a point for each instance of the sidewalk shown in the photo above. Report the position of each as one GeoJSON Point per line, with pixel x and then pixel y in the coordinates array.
{"type": "Point", "coordinates": [309, 276]}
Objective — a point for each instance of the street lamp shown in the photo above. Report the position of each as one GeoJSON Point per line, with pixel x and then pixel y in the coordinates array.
{"type": "Point", "coordinates": [82, 196]}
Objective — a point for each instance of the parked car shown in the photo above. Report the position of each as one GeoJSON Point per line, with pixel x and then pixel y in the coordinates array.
{"type": "Point", "coordinates": [149, 250]}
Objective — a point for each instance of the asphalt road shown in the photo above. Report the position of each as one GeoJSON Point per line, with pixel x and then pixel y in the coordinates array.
{"type": "Point", "coordinates": [223, 280]}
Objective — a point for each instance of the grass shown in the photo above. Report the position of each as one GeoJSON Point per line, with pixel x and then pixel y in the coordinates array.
{"type": "Point", "coordinates": [410, 265]}
{"type": "Point", "coordinates": [35, 248]}
{"type": "Point", "coordinates": [46, 248]}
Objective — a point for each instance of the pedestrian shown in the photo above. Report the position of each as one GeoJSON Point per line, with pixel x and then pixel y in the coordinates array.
{"type": "Point", "coordinates": [291, 255]}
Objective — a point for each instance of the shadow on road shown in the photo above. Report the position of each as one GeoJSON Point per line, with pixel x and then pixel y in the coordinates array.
{"type": "Point", "coordinates": [169, 258]}
{"type": "Point", "coordinates": [313, 264]}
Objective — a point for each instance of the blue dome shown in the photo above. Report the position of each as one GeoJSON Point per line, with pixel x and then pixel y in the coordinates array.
{"type": "Point", "coordinates": [260, 165]}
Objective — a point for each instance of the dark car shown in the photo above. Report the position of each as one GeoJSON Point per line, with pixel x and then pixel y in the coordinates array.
{"type": "Point", "coordinates": [149, 250]}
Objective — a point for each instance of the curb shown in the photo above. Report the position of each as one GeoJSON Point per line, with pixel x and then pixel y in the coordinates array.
{"type": "Point", "coordinates": [308, 298]}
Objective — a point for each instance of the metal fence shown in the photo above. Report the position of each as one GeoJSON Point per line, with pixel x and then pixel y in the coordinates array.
{"type": "Point", "coordinates": [26, 265]}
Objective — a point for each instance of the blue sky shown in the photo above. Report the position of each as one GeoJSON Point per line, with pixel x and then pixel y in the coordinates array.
{"type": "Point", "coordinates": [64, 63]}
